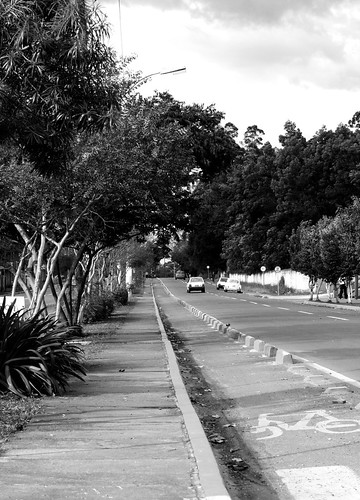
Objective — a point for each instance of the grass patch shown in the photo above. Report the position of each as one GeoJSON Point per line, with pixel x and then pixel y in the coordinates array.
{"type": "Point", "coordinates": [269, 289]}
{"type": "Point", "coordinates": [15, 413]}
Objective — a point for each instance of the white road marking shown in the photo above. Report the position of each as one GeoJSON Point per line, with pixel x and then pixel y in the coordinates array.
{"type": "Point", "coordinates": [336, 317]}
{"type": "Point", "coordinates": [253, 302]}
{"type": "Point", "coordinates": [321, 483]}
{"type": "Point", "coordinates": [270, 426]}
{"type": "Point", "coordinates": [305, 312]}
{"type": "Point", "coordinates": [265, 305]}
{"type": "Point", "coordinates": [284, 308]}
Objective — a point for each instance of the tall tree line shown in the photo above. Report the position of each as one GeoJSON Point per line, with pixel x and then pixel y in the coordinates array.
{"type": "Point", "coordinates": [253, 206]}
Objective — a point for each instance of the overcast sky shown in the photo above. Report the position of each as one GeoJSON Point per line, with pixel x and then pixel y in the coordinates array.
{"type": "Point", "coordinates": [261, 62]}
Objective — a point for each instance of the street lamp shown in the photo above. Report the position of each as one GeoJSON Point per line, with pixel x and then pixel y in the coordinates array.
{"type": "Point", "coordinates": [148, 77]}
{"type": "Point", "coordinates": [208, 269]}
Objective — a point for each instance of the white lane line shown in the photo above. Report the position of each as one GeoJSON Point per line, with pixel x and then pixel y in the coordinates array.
{"type": "Point", "coordinates": [253, 302]}
{"type": "Point", "coordinates": [265, 305]}
{"type": "Point", "coordinates": [332, 481]}
{"type": "Point", "coordinates": [336, 317]}
{"type": "Point", "coordinates": [284, 308]}
{"type": "Point", "coordinates": [305, 312]}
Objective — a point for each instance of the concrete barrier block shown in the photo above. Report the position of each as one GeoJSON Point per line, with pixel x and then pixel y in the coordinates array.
{"type": "Point", "coordinates": [259, 345]}
{"type": "Point", "coordinates": [283, 357]}
{"type": "Point", "coordinates": [242, 337]}
{"type": "Point", "coordinates": [249, 341]}
{"type": "Point", "coordinates": [270, 350]}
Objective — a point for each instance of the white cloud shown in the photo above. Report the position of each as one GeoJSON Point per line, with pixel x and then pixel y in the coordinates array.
{"type": "Point", "coordinates": [261, 62]}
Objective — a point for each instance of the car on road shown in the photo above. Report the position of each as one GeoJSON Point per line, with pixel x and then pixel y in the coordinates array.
{"type": "Point", "coordinates": [221, 282]}
{"type": "Point", "coordinates": [180, 275]}
{"type": "Point", "coordinates": [233, 285]}
{"type": "Point", "coordinates": [195, 283]}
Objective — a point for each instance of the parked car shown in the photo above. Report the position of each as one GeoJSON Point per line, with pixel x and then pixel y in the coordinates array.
{"type": "Point", "coordinates": [195, 283]}
{"type": "Point", "coordinates": [180, 275]}
{"type": "Point", "coordinates": [221, 282]}
{"type": "Point", "coordinates": [233, 285]}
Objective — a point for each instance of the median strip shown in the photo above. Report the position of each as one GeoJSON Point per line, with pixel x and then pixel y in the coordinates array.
{"type": "Point", "coordinates": [267, 350]}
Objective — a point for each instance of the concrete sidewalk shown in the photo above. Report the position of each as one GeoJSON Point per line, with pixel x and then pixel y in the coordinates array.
{"type": "Point", "coordinates": [129, 432]}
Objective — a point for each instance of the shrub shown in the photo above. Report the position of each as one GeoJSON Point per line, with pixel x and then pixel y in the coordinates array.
{"type": "Point", "coordinates": [99, 306]}
{"type": "Point", "coordinates": [36, 355]}
{"type": "Point", "coordinates": [121, 296]}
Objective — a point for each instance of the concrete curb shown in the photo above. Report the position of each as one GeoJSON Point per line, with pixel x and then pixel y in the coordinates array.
{"type": "Point", "coordinates": [257, 345]}
{"type": "Point", "coordinates": [210, 478]}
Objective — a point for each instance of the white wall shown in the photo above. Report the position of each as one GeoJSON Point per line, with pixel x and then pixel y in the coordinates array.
{"type": "Point", "coordinates": [293, 279]}
{"type": "Point", "coordinates": [9, 299]}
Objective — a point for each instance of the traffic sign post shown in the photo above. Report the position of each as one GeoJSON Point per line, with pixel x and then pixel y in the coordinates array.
{"type": "Point", "coordinates": [263, 269]}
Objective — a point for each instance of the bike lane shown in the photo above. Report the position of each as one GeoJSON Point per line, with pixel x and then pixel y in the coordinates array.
{"type": "Point", "coordinates": [299, 426]}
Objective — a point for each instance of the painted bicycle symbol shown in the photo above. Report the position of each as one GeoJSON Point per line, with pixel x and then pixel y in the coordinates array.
{"type": "Point", "coordinates": [318, 420]}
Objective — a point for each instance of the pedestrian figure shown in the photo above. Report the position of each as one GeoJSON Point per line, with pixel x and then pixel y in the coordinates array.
{"type": "Point", "coordinates": [343, 290]}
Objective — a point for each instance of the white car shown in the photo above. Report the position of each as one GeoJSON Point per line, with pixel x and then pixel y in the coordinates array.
{"type": "Point", "coordinates": [233, 285]}
{"type": "Point", "coordinates": [221, 282]}
{"type": "Point", "coordinates": [195, 283]}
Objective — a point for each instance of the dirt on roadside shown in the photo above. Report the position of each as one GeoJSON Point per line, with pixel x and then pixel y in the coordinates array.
{"type": "Point", "coordinates": [240, 471]}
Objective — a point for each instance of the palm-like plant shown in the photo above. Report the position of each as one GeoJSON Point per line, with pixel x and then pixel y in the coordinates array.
{"type": "Point", "coordinates": [57, 76]}
{"type": "Point", "coordinates": [36, 355]}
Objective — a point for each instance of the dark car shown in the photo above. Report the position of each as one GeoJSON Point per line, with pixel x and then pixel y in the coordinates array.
{"type": "Point", "coordinates": [180, 275]}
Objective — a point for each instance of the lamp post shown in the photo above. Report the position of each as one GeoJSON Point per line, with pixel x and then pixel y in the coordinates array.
{"type": "Point", "coordinates": [208, 270]}
{"type": "Point", "coordinates": [148, 77]}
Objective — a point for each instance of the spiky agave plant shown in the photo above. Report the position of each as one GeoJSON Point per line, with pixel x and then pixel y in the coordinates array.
{"type": "Point", "coordinates": [36, 357]}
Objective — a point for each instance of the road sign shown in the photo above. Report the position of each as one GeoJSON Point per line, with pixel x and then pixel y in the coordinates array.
{"type": "Point", "coordinates": [277, 269]}
{"type": "Point", "coordinates": [262, 269]}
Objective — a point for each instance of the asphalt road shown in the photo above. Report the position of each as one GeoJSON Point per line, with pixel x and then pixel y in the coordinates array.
{"type": "Point", "coordinates": [329, 337]}
{"type": "Point", "coordinates": [296, 426]}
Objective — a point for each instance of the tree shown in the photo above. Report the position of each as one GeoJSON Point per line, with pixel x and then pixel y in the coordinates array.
{"type": "Point", "coordinates": [207, 226]}
{"type": "Point", "coordinates": [213, 145]}
{"type": "Point", "coordinates": [289, 185]}
{"type": "Point", "coordinates": [132, 180]}
{"type": "Point", "coordinates": [305, 253]}
{"type": "Point", "coordinates": [313, 179]}
{"type": "Point", "coordinates": [57, 77]}
{"type": "Point", "coordinates": [251, 206]}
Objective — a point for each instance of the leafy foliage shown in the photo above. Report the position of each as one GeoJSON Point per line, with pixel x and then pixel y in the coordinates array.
{"type": "Point", "coordinates": [251, 207]}
{"type": "Point", "coordinates": [57, 76]}
{"type": "Point", "coordinates": [329, 249]}
{"type": "Point", "coordinates": [99, 306]}
{"type": "Point", "coordinates": [121, 296]}
{"type": "Point", "coordinates": [36, 355]}
{"type": "Point", "coordinates": [275, 190]}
